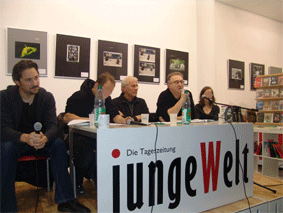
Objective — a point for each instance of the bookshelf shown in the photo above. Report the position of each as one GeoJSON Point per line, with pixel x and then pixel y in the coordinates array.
{"type": "Point", "coordinates": [269, 97]}
{"type": "Point", "coordinates": [270, 163]}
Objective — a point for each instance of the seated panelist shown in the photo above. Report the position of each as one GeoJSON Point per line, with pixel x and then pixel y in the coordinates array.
{"type": "Point", "coordinates": [29, 127]}
{"type": "Point", "coordinates": [206, 109]}
{"type": "Point", "coordinates": [171, 100]}
{"type": "Point", "coordinates": [79, 106]}
{"type": "Point", "coordinates": [128, 104]}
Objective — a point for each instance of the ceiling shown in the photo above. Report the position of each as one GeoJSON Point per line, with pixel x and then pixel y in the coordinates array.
{"type": "Point", "coordinates": [269, 8]}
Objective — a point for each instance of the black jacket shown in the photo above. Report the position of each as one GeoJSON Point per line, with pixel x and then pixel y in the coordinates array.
{"type": "Point", "coordinates": [11, 111]}
{"type": "Point", "coordinates": [122, 104]}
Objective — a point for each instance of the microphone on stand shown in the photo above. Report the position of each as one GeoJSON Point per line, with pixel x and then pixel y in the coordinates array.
{"type": "Point", "coordinates": [203, 96]}
{"type": "Point", "coordinates": [37, 127]}
{"type": "Point", "coordinates": [130, 122]}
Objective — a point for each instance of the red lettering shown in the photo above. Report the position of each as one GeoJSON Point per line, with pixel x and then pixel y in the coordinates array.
{"type": "Point", "coordinates": [210, 165]}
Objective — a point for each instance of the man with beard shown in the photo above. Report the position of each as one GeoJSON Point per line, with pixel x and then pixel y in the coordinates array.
{"type": "Point", "coordinates": [22, 106]}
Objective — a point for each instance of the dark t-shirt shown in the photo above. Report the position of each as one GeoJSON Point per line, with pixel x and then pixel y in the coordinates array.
{"type": "Point", "coordinates": [28, 116]}
{"type": "Point", "coordinates": [166, 100]}
{"type": "Point", "coordinates": [200, 114]}
{"type": "Point", "coordinates": [136, 107]}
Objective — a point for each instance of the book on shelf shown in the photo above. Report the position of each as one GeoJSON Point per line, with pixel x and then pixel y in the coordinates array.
{"type": "Point", "coordinates": [280, 80]}
{"type": "Point", "coordinates": [270, 150]}
{"type": "Point", "coordinates": [281, 105]}
{"type": "Point", "coordinates": [274, 80]}
{"type": "Point", "coordinates": [260, 117]}
{"type": "Point", "coordinates": [267, 93]}
{"type": "Point", "coordinates": [276, 117]}
{"type": "Point", "coordinates": [275, 92]}
{"type": "Point", "coordinates": [255, 146]}
{"type": "Point", "coordinates": [281, 92]}
{"type": "Point", "coordinates": [281, 118]}
{"type": "Point", "coordinates": [267, 118]}
{"type": "Point", "coordinates": [257, 82]}
{"type": "Point", "coordinates": [265, 81]}
{"type": "Point", "coordinates": [259, 105]}
{"type": "Point", "coordinates": [259, 93]}
{"type": "Point", "coordinates": [275, 105]}
{"type": "Point", "coordinates": [259, 149]}
{"type": "Point", "coordinates": [266, 148]}
{"type": "Point", "coordinates": [278, 149]}
{"type": "Point", "coordinates": [266, 105]}
{"type": "Point", "coordinates": [273, 151]}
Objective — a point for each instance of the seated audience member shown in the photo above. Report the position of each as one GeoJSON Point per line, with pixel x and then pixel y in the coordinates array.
{"type": "Point", "coordinates": [128, 104]}
{"type": "Point", "coordinates": [79, 106]}
{"type": "Point", "coordinates": [207, 109]}
{"type": "Point", "coordinates": [22, 106]}
{"type": "Point", "coordinates": [171, 100]}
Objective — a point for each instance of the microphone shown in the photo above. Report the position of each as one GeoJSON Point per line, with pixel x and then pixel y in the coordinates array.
{"type": "Point", "coordinates": [130, 122]}
{"type": "Point", "coordinates": [37, 127]}
{"type": "Point", "coordinates": [203, 96]}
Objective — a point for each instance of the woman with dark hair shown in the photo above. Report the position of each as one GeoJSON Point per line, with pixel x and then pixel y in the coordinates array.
{"type": "Point", "coordinates": [206, 109]}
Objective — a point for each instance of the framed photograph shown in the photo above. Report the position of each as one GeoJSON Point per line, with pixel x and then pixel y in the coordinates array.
{"type": "Point", "coordinates": [236, 74]}
{"type": "Point", "coordinates": [256, 70]}
{"type": "Point", "coordinates": [73, 53]}
{"type": "Point", "coordinates": [112, 58]}
{"type": "Point", "coordinates": [177, 61]}
{"type": "Point", "coordinates": [72, 56]}
{"type": "Point", "coordinates": [147, 64]}
{"type": "Point", "coordinates": [27, 44]}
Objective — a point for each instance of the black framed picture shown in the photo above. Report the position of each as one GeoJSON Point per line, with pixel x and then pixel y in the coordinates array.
{"type": "Point", "coordinates": [177, 61]}
{"type": "Point", "coordinates": [72, 56]}
{"type": "Point", "coordinates": [112, 58]}
{"type": "Point", "coordinates": [236, 73]}
{"type": "Point", "coordinates": [27, 44]}
{"type": "Point", "coordinates": [255, 70]}
{"type": "Point", "coordinates": [147, 64]}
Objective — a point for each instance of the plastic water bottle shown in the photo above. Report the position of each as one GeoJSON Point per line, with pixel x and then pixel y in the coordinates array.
{"type": "Point", "coordinates": [99, 104]}
{"type": "Point", "coordinates": [186, 110]}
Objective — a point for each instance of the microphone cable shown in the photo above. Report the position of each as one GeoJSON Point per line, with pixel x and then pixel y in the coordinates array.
{"type": "Point", "coordinates": [37, 127]}
{"type": "Point", "coordinates": [155, 143]}
{"type": "Point", "coordinates": [242, 171]}
{"type": "Point", "coordinates": [36, 174]}
{"type": "Point", "coordinates": [156, 136]}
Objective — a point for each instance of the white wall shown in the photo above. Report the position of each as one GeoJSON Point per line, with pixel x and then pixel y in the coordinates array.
{"type": "Point", "coordinates": [244, 36]}
{"type": "Point", "coordinates": [211, 32]}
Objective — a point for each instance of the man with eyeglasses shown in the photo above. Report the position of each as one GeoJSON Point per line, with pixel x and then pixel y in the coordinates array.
{"type": "Point", "coordinates": [171, 100]}
{"type": "Point", "coordinates": [128, 104]}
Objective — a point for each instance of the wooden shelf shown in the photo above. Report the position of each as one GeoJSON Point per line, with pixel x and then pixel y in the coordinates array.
{"type": "Point", "coordinates": [277, 74]}
{"type": "Point", "coordinates": [269, 124]}
{"type": "Point", "coordinates": [271, 98]}
{"type": "Point", "coordinates": [270, 111]}
{"type": "Point", "coordinates": [270, 103]}
{"type": "Point", "coordinates": [269, 87]}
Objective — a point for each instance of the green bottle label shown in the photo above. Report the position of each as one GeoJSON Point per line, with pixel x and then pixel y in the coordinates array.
{"type": "Point", "coordinates": [98, 111]}
{"type": "Point", "coordinates": [186, 117]}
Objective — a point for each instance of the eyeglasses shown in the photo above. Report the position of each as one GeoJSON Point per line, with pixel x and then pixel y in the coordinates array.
{"type": "Point", "coordinates": [177, 82]}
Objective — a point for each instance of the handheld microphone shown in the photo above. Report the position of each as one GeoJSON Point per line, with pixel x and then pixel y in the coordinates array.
{"type": "Point", "coordinates": [130, 122]}
{"type": "Point", "coordinates": [203, 96]}
{"type": "Point", "coordinates": [37, 127]}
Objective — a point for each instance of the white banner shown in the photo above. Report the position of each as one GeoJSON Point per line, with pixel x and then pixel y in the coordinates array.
{"type": "Point", "coordinates": [196, 167]}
